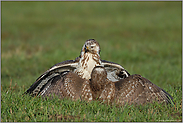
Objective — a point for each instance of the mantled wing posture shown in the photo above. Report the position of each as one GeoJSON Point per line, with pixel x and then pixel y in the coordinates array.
{"type": "Point", "coordinates": [134, 89]}
{"type": "Point", "coordinates": [82, 65]}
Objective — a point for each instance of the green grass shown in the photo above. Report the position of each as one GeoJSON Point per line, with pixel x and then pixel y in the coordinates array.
{"type": "Point", "coordinates": [143, 37]}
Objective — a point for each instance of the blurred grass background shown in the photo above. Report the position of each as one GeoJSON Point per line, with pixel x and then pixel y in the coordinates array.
{"type": "Point", "coordinates": [144, 37]}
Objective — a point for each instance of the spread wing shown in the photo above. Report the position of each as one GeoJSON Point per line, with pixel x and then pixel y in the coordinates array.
{"type": "Point", "coordinates": [139, 90]}
{"type": "Point", "coordinates": [58, 70]}
{"type": "Point", "coordinates": [157, 92]}
{"type": "Point", "coordinates": [115, 71]}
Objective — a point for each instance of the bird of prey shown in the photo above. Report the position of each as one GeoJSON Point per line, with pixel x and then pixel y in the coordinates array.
{"type": "Point", "coordinates": [133, 89]}
{"type": "Point", "coordinates": [82, 66]}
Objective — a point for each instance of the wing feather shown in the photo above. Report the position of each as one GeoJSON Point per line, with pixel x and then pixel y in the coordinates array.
{"type": "Point", "coordinates": [115, 71]}
{"type": "Point", "coordinates": [139, 90]}
{"type": "Point", "coordinates": [58, 69]}
{"type": "Point", "coordinates": [155, 89]}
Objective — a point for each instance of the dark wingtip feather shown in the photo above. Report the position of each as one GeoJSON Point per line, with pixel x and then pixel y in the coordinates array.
{"type": "Point", "coordinates": [168, 97]}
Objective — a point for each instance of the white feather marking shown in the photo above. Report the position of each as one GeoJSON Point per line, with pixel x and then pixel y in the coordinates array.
{"type": "Point", "coordinates": [84, 69]}
{"type": "Point", "coordinates": [109, 96]}
{"type": "Point", "coordinates": [91, 98]}
{"type": "Point", "coordinates": [150, 88]}
{"type": "Point", "coordinates": [45, 90]}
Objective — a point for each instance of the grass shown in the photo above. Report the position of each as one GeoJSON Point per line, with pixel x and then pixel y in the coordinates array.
{"type": "Point", "coordinates": [143, 37]}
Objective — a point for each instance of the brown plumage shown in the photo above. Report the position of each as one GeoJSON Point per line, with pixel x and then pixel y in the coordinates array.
{"type": "Point", "coordinates": [69, 86]}
{"type": "Point", "coordinates": [102, 88]}
{"type": "Point", "coordinates": [134, 89]}
{"type": "Point", "coordinates": [82, 66]}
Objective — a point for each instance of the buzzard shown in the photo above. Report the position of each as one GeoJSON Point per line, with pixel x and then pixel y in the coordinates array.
{"type": "Point", "coordinates": [82, 66]}
{"type": "Point", "coordinates": [133, 89]}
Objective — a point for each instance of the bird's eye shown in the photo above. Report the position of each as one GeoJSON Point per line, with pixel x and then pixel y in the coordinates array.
{"type": "Point", "coordinates": [91, 46]}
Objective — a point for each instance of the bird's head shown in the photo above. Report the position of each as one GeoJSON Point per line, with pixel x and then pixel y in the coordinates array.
{"type": "Point", "coordinates": [91, 46]}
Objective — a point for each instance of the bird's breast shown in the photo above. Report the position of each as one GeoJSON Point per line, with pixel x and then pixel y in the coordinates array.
{"type": "Point", "coordinates": [86, 65]}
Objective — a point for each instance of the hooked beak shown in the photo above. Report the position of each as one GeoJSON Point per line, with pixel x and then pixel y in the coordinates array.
{"type": "Point", "coordinates": [87, 48]}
